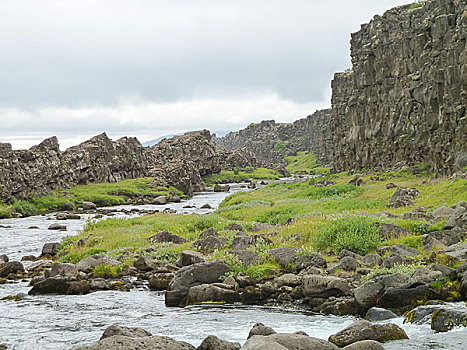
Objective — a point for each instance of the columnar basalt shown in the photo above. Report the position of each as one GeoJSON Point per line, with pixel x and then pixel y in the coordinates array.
{"type": "Point", "coordinates": [404, 102]}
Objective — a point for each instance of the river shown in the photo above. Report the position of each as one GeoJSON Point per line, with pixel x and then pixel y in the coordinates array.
{"type": "Point", "coordinates": [59, 321]}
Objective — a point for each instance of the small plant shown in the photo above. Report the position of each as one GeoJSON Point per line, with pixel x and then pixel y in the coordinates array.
{"type": "Point", "coordinates": [261, 247]}
{"type": "Point", "coordinates": [280, 146]}
{"type": "Point", "coordinates": [107, 271]}
{"type": "Point", "coordinates": [403, 269]}
{"type": "Point", "coordinates": [236, 170]}
{"type": "Point", "coordinates": [25, 208]}
{"type": "Point", "coordinates": [249, 170]}
{"type": "Point", "coordinates": [418, 4]}
{"type": "Point", "coordinates": [357, 234]}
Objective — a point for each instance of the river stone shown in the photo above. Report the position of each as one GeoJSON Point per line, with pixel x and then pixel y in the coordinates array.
{"type": "Point", "coordinates": [10, 267]}
{"type": "Point", "coordinates": [221, 188]}
{"type": "Point", "coordinates": [260, 329]}
{"type": "Point", "coordinates": [91, 262]}
{"type": "Point", "coordinates": [121, 342]}
{"type": "Point", "coordinates": [285, 255]}
{"type": "Point", "coordinates": [260, 342]}
{"type": "Point", "coordinates": [160, 281]}
{"type": "Point", "coordinates": [212, 293]}
{"type": "Point", "coordinates": [364, 330]}
{"type": "Point", "coordinates": [425, 275]}
{"type": "Point", "coordinates": [376, 314]}
{"type": "Point", "coordinates": [4, 258]}
{"type": "Point", "coordinates": [89, 206]}
{"type": "Point", "coordinates": [444, 320]}
{"type": "Point", "coordinates": [301, 342]}
{"type": "Point", "coordinates": [99, 284]}
{"type": "Point", "coordinates": [160, 200]}
{"type": "Point", "coordinates": [59, 285]}
{"type": "Point", "coordinates": [365, 345]}
{"type": "Point", "coordinates": [50, 249]}
{"type": "Point", "coordinates": [212, 342]}
{"type": "Point", "coordinates": [193, 275]}
{"type": "Point", "coordinates": [116, 329]}
{"type": "Point", "coordinates": [165, 236]}
{"type": "Point", "coordinates": [400, 297]}
{"type": "Point", "coordinates": [318, 286]}
{"type": "Point", "coordinates": [288, 279]}
{"type": "Point", "coordinates": [57, 227]}
{"type": "Point", "coordinates": [63, 270]}
{"type": "Point", "coordinates": [189, 257]}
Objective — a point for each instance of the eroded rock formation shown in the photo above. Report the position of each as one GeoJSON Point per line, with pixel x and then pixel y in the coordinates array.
{"type": "Point", "coordinates": [178, 162]}
{"type": "Point", "coordinates": [405, 100]}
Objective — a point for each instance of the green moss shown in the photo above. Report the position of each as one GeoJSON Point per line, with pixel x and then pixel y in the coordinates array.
{"type": "Point", "coordinates": [107, 271]}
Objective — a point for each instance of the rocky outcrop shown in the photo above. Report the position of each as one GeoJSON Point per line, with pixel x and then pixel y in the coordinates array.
{"type": "Point", "coordinates": [269, 141]}
{"type": "Point", "coordinates": [404, 102]}
{"type": "Point", "coordinates": [179, 162]}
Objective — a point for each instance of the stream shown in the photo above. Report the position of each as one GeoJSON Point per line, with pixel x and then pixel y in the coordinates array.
{"type": "Point", "coordinates": [61, 321]}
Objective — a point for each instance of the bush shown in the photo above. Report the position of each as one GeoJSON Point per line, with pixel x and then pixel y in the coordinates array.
{"type": "Point", "coordinates": [357, 234]}
{"type": "Point", "coordinates": [25, 208]}
{"type": "Point", "coordinates": [107, 271]}
{"type": "Point", "coordinates": [249, 170]}
{"type": "Point", "coordinates": [236, 170]}
{"type": "Point", "coordinates": [277, 216]}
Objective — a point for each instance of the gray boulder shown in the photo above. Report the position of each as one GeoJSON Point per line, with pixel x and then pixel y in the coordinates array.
{"type": "Point", "coordinates": [193, 275]}
{"type": "Point", "coordinates": [209, 232]}
{"type": "Point", "coordinates": [57, 227]}
{"type": "Point", "coordinates": [160, 281]}
{"type": "Point", "coordinates": [145, 263]}
{"type": "Point", "coordinates": [88, 264]}
{"type": "Point", "coordinates": [60, 285]}
{"type": "Point", "coordinates": [318, 286]}
{"type": "Point", "coordinates": [310, 260]}
{"type": "Point", "coordinates": [63, 270]}
{"type": "Point", "coordinates": [371, 260]}
{"type": "Point", "coordinates": [10, 267]}
{"type": "Point", "coordinates": [210, 243]}
{"type": "Point", "coordinates": [160, 200]}
{"type": "Point", "coordinates": [260, 329]}
{"type": "Point", "coordinates": [4, 258]}
{"type": "Point", "coordinates": [285, 255]}
{"type": "Point", "coordinates": [444, 320]}
{"type": "Point", "coordinates": [214, 343]}
{"type": "Point", "coordinates": [347, 263]}
{"type": "Point", "coordinates": [365, 345]}
{"type": "Point", "coordinates": [364, 330]}
{"type": "Point", "coordinates": [89, 206]}
{"type": "Point", "coordinates": [376, 314]}
{"type": "Point", "coordinates": [367, 294]}
{"type": "Point", "coordinates": [121, 342]}
{"type": "Point", "coordinates": [457, 251]}
{"type": "Point", "coordinates": [189, 257]}
{"type": "Point", "coordinates": [221, 188]}
{"type": "Point", "coordinates": [50, 249]}
{"type": "Point", "coordinates": [248, 257]}
{"type": "Point", "coordinates": [401, 297]}
{"type": "Point", "coordinates": [442, 213]}
{"type": "Point", "coordinates": [217, 292]}
{"type": "Point", "coordinates": [116, 329]}
{"type": "Point", "coordinates": [261, 342]}
{"type": "Point", "coordinates": [301, 342]}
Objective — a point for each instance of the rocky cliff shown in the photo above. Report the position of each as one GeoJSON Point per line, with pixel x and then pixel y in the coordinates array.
{"type": "Point", "coordinates": [179, 162]}
{"type": "Point", "coordinates": [405, 100]}
{"type": "Point", "coordinates": [269, 141]}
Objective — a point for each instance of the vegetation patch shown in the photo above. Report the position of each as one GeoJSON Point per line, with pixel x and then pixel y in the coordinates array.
{"type": "Point", "coordinates": [107, 271]}
{"type": "Point", "coordinates": [242, 175]}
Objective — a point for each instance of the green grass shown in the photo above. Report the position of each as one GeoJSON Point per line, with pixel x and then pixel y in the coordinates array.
{"type": "Point", "coordinates": [5, 211]}
{"type": "Point", "coordinates": [242, 175]}
{"type": "Point", "coordinates": [417, 4]}
{"type": "Point", "coordinates": [304, 163]}
{"type": "Point", "coordinates": [107, 271]}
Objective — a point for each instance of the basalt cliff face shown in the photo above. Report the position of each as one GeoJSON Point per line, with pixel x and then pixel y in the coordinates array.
{"type": "Point", "coordinates": [178, 162]}
{"type": "Point", "coordinates": [269, 141]}
{"type": "Point", "coordinates": [405, 100]}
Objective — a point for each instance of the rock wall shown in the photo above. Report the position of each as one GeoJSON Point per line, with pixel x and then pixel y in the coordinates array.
{"type": "Point", "coordinates": [405, 100]}
{"type": "Point", "coordinates": [308, 134]}
{"type": "Point", "coordinates": [178, 162]}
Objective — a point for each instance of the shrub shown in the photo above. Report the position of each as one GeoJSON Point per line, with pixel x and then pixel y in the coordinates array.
{"type": "Point", "coordinates": [249, 170]}
{"type": "Point", "coordinates": [403, 269]}
{"type": "Point", "coordinates": [280, 146]}
{"type": "Point", "coordinates": [417, 4]}
{"type": "Point", "coordinates": [357, 234]}
{"type": "Point", "coordinates": [25, 208]}
{"type": "Point", "coordinates": [236, 170]}
{"type": "Point", "coordinates": [277, 216]}
{"type": "Point", "coordinates": [107, 271]}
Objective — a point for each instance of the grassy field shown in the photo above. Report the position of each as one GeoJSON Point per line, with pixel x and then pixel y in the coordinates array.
{"type": "Point", "coordinates": [304, 163]}
{"type": "Point", "coordinates": [102, 194]}
{"type": "Point", "coordinates": [242, 175]}
{"type": "Point", "coordinates": [326, 219]}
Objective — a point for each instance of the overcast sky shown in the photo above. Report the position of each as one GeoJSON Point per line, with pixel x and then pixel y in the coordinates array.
{"type": "Point", "coordinates": [147, 68]}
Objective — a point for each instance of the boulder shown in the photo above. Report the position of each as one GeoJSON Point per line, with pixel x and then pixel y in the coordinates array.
{"type": "Point", "coordinates": [457, 251]}
{"type": "Point", "coordinates": [260, 329]}
{"type": "Point", "coordinates": [367, 294]}
{"type": "Point", "coordinates": [63, 270]}
{"type": "Point", "coordinates": [235, 227]}
{"type": "Point", "coordinates": [165, 236]}
{"type": "Point", "coordinates": [116, 329]}
{"type": "Point", "coordinates": [446, 237]}
{"type": "Point", "coordinates": [242, 242]}
{"type": "Point", "coordinates": [99, 284]}
{"type": "Point", "coordinates": [60, 285]}
{"type": "Point", "coordinates": [88, 264]}
{"type": "Point", "coordinates": [318, 286]}
{"type": "Point", "coordinates": [425, 275]}
{"type": "Point", "coordinates": [193, 275]}
{"type": "Point", "coordinates": [288, 279]}
{"type": "Point", "coordinates": [145, 263]}
{"type": "Point", "coordinates": [357, 181]}
{"type": "Point", "coordinates": [308, 260]}
{"type": "Point", "coordinates": [10, 267]}
{"type": "Point", "coordinates": [160, 200]}
{"type": "Point", "coordinates": [364, 330]}
{"type": "Point", "coordinates": [301, 342]}
{"type": "Point", "coordinates": [444, 320]}
{"type": "Point", "coordinates": [212, 342]}
{"type": "Point", "coordinates": [210, 243]}
{"type": "Point", "coordinates": [400, 297]}
{"type": "Point", "coordinates": [89, 206]}
{"type": "Point", "coordinates": [121, 342]}
{"type": "Point", "coordinates": [189, 257]}
{"type": "Point", "coordinates": [221, 188]}
{"type": "Point", "coordinates": [403, 197]}
{"type": "Point", "coordinates": [285, 255]}
{"type": "Point", "coordinates": [365, 345]}
{"type": "Point", "coordinates": [442, 213]}
{"type": "Point", "coordinates": [347, 263]}
{"type": "Point", "coordinates": [376, 314]}
{"type": "Point", "coordinates": [371, 260]}
{"type": "Point", "coordinates": [248, 257]}
{"type": "Point", "coordinates": [160, 281]}
{"type": "Point", "coordinates": [57, 227]}
{"type": "Point", "coordinates": [260, 342]}
{"type": "Point", "coordinates": [391, 231]}
{"type": "Point", "coordinates": [209, 232]}
{"type": "Point", "coordinates": [4, 258]}
{"type": "Point", "coordinates": [207, 206]}
{"type": "Point", "coordinates": [217, 292]}
{"type": "Point", "coordinates": [252, 296]}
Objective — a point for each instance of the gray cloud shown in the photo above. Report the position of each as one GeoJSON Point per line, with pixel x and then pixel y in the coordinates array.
{"type": "Point", "coordinates": [88, 55]}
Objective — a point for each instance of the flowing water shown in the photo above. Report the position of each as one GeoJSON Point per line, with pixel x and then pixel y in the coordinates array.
{"type": "Point", "coordinates": [59, 321]}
